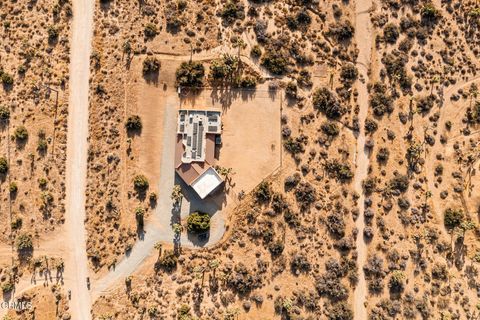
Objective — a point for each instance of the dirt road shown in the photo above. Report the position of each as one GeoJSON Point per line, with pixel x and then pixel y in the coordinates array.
{"type": "Point", "coordinates": [363, 38]}
{"type": "Point", "coordinates": [76, 270]}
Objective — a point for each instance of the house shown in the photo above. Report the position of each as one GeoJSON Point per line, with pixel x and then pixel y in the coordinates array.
{"type": "Point", "coordinates": [197, 132]}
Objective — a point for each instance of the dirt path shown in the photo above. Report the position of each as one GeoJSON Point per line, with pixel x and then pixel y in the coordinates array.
{"type": "Point", "coordinates": [76, 262]}
{"type": "Point", "coordinates": [363, 38]}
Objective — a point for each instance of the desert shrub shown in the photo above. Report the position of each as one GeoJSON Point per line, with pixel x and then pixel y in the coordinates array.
{"type": "Point", "coordinates": [140, 182]}
{"type": "Point", "coordinates": [341, 30]}
{"type": "Point", "coordinates": [24, 242]}
{"type": "Point", "coordinates": [291, 90]}
{"type": "Point", "coordinates": [150, 30]}
{"type": "Point", "coordinates": [395, 63]}
{"type": "Point", "coordinates": [330, 128]}
{"type": "Point", "coordinates": [399, 182]}
{"type": "Point", "coordinates": [292, 181]}
{"type": "Point", "coordinates": [168, 261]}
{"type": "Point", "coordinates": [425, 104]}
{"type": "Point", "coordinates": [173, 16]}
{"type": "Point", "coordinates": [439, 272]}
{"type": "Point", "coordinates": [338, 170]}
{"type": "Point", "coordinates": [198, 222]}
{"type": "Point", "coordinates": [278, 203]}
{"type": "Point", "coordinates": [304, 78]}
{"type": "Point", "coordinates": [339, 311]}
{"type": "Point", "coordinates": [13, 187]}
{"type": "Point", "coordinates": [4, 114]}
{"type": "Point", "coordinates": [299, 263]}
{"type": "Point", "coordinates": [276, 248]}
{"type": "Point", "coordinates": [299, 20]}
{"type": "Point", "coordinates": [133, 123]}
{"type": "Point", "coordinates": [249, 82]}
{"type": "Point", "coordinates": [329, 285]}
{"type": "Point", "coordinates": [231, 11]}
{"type": "Point", "coordinates": [429, 13]}
{"type": "Point", "coordinates": [452, 218]}
{"type": "Point", "coordinates": [42, 183]}
{"type": "Point", "coordinates": [241, 280]}
{"type": "Point", "coordinates": [383, 154]}
{"type": "Point", "coordinates": [256, 51]}
{"type": "Point", "coordinates": [396, 282]}
{"type": "Point", "coordinates": [21, 133]}
{"type": "Point", "coordinates": [52, 33]}
{"type": "Point", "coordinates": [263, 192]}
{"type": "Point", "coordinates": [305, 194]}
{"type": "Point", "coordinates": [150, 65]}
{"type": "Point", "coordinates": [348, 73]}
{"type": "Point", "coordinates": [190, 74]}
{"type": "Point", "coordinates": [3, 166]}
{"type": "Point", "coordinates": [390, 33]}
{"type": "Point", "coordinates": [16, 223]}
{"type": "Point", "coordinates": [370, 125]}
{"type": "Point", "coordinates": [260, 29]}
{"type": "Point", "coordinates": [274, 61]}
{"type": "Point", "coordinates": [7, 287]}
{"type": "Point", "coordinates": [7, 79]}
{"type": "Point", "coordinates": [472, 114]}
{"type": "Point", "coordinates": [223, 68]}
{"type": "Point", "coordinates": [336, 224]}
{"type": "Point", "coordinates": [413, 154]}
{"type": "Point", "coordinates": [380, 101]}
{"type": "Point", "coordinates": [327, 103]}
{"type": "Point", "coordinates": [296, 145]}
{"type": "Point", "coordinates": [369, 185]}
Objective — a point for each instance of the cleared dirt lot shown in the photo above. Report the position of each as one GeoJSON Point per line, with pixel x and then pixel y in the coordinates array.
{"type": "Point", "coordinates": [249, 146]}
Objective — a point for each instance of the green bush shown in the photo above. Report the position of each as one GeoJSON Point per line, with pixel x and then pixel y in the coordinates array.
{"type": "Point", "coordinates": [151, 65]}
{"type": "Point", "coordinates": [24, 242]}
{"type": "Point", "coordinates": [21, 133]}
{"type": "Point", "coordinates": [198, 222]}
{"type": "Point", "coordinates": [140, 183]}
{"type": "Point", "coordinates": [248, 82]}
{"type": "Point", "coordinates": [7, 287]}
{"type": "Point", "coordinates": [452, 218]}
{"type": "Point", "coordinates": [133, 123]}
{"type": "Point", "coordinates": [190, 74]}
{"type": "Point", "coordinates": [3, 165]}
{"type": "Point", "coordinates": [150, 30]}
{"type": "Point", "coordinates": [4, 114]}
{"type": "Point", "coordinates": [7, 79]}
{"type": "Point", "coordinates": [275, 62]}
{"type": "Point", "coordinates": [13, 187]}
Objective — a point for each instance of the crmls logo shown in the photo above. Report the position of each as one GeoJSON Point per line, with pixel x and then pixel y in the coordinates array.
{"type": "Point", "coordinates": [16, 305]}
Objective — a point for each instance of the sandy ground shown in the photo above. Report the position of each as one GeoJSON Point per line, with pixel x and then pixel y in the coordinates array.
{"type": "Point", "coordinates": [76, 262]}
{"type": "Point", "coordinates": [363, 37]}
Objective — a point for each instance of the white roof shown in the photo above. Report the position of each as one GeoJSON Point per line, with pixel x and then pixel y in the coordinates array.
{"type": "Point", "coordinates": [208, 181]}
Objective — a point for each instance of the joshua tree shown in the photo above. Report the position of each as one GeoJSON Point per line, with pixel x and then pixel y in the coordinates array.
{"type": "Point", "coordinates": [158, 246]}
{"type": "Point", "coordinates": [177, 194]}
